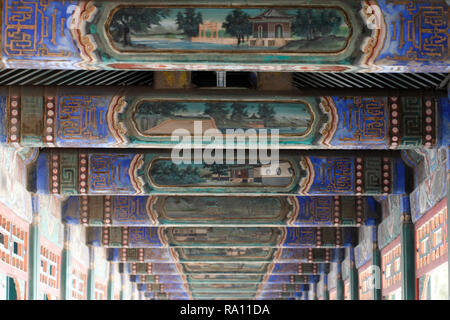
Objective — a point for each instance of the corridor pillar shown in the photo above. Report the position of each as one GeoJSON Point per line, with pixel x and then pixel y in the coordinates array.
{"type": "Point", "coordinates": [339, 282]}
{"type": "Point", "coordinates": [66, 266]}
{"type": "Point", "coordinates": [111, 282]}
{"type": "Point", "coordinates": [122, 286]}
{"type": "Point", "coordinates": [315, 291]}
{"type": "Point", "coordinates": [407, 260]}
{"type": "Point", "coordinates": [91, 275]}
{"type": "Point", "coordinates": [34, 254]}
{"type": "Point", "coordinates": [353, 272]}
{"type": "Point", "coordinates": [326, 293]}
{"type": "Point", "coordinates": [376, 265]}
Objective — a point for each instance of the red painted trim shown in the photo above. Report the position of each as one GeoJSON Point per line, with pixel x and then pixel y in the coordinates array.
{"type": "Point", "coordinates": [79, 267]}
{"type": "Point", "coordinates": [394, 243]}
{"type": "Point", "coordinates": [424, 219]}
{"type": "Point", "coordinates": [50, 246]}
{"type": "Point", "coordinates": [56, 251]}
{"type": "Point", "coordinates": [442, 259]}
{"type": "Point", "coordinates": [10, 215]}
{"type": "Point", "coordinates": [390, 246]}
{"type": "Point", "coordinates": [388, 290]}
{"type": "Point", "coordinates": [13, 219]}
{"type": "Point", "coordinates": [12, 272]}
{"type": "Point", "coordinates": [365, 266]}
{"type": "Point", "coordinates": [433, 265]}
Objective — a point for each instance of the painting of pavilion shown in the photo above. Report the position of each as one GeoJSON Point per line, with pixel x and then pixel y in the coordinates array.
{"type": "Point", "coordinates": [308, 29]}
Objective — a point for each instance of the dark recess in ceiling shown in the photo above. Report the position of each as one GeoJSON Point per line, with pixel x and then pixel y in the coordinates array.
{"type": "Point", "coordinates": [301, 80]}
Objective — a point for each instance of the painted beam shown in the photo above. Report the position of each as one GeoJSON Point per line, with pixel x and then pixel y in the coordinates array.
{"type": "Point", "coordinates": [361, 36]}
{"type": "Point", "coordinates": [148, 172]}
{"type": "Point", "coordinates": [200, 280]}
{"type": "Point", "coordinates": [221, 255]}
{"type": "Point", "coordinates": [224, 268]}
{"type": "Point", "coordinates": [169, 296]}
{"type": "Point", "coordinates": [224, 237]}
{"type": "Point", "coordinates": [270, 295]}
{"type": "Point", "coordinates": [222, 288]}
{"type": "Point", "coordinates": [239, 210]}
{"type": "Point", "coordinates": [132, 117]}
{"type": "Point", "coordinates": [407, 258]}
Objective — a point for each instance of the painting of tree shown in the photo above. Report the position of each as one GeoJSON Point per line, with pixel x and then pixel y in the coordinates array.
{"type": "Point", "coordinates": [166, 172]}
{"type": "Point", "coordinates": [237, 24]}
{"type": "Point", "coordinates": [266, 113]}
{"type": "Point", "coordinates": [218, 169]}
{"type": "Point", "coordinates": [188, 21]}
{"type": "Point", "coordinates": [239, 112]}
{"type": "Point", "coordinates": [218, 111]}
{"type": "Point", "coordinates": [331, 22]}
{"type": "Point", "coordinates": [130, 20]}
{"type": "Point", "coordinates": [161, 108]}
{"type": "Point", "coordinates": [312, 23]}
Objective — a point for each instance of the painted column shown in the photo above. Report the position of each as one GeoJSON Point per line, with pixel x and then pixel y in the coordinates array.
{"type": "Point", "coordinates": [34, 254]}
{"type": "Point", "coordinates": [91, 275]}
{"type": "Point", "coordinates": [353, 272]}
{"type": "Point", "coordinates": [66, 266]}
{"type": "Point", "coordinates": [315, 291]}
{"type": "Point", "coordinates": [122, 286]}
{"type": "Point", "coordinates": [376, 265]}
{"type": "Point", "coordinates": [448, 200]}
{"type": "Point", "coordinates": [133, 291]}
{"type": "Point", "coordinates": [407, 260]}
{"type": "Point", "coordinates": [339, 282]}
{"type": "Point", "coordinates": [111, 281]}
{"type": "Point", "coordinates": [326, 293]}
{"type": "Point", "coordinates": [306, 293]}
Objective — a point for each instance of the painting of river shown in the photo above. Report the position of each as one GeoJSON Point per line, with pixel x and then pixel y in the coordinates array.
{"type": "Point", "coordinates": [312, 29]}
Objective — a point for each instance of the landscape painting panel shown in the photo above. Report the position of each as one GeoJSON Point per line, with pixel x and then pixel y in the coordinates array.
{"type": "Point", "coordinates": [304, 29]}
{"type": "Point", "coordinates": [164, 117]}
{"type": "Point", "coordinates": [216, 209]}
{"type": "Point", "coordinates": [166, 173]}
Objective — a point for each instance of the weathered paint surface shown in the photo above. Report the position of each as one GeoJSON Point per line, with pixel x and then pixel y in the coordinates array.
{"type": "Point", "coordinates": [99, 172]}
{"type": "Point", "coordinates": [343, 35]}
{"type": "Point", "coordinates": [139, 117]}
{"type": "Point", "coordinates": [225, 237]}
{"type": "Point", "coordinates": [222, 255]}
{"type": "Point", "coordinates": [217, 211]}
